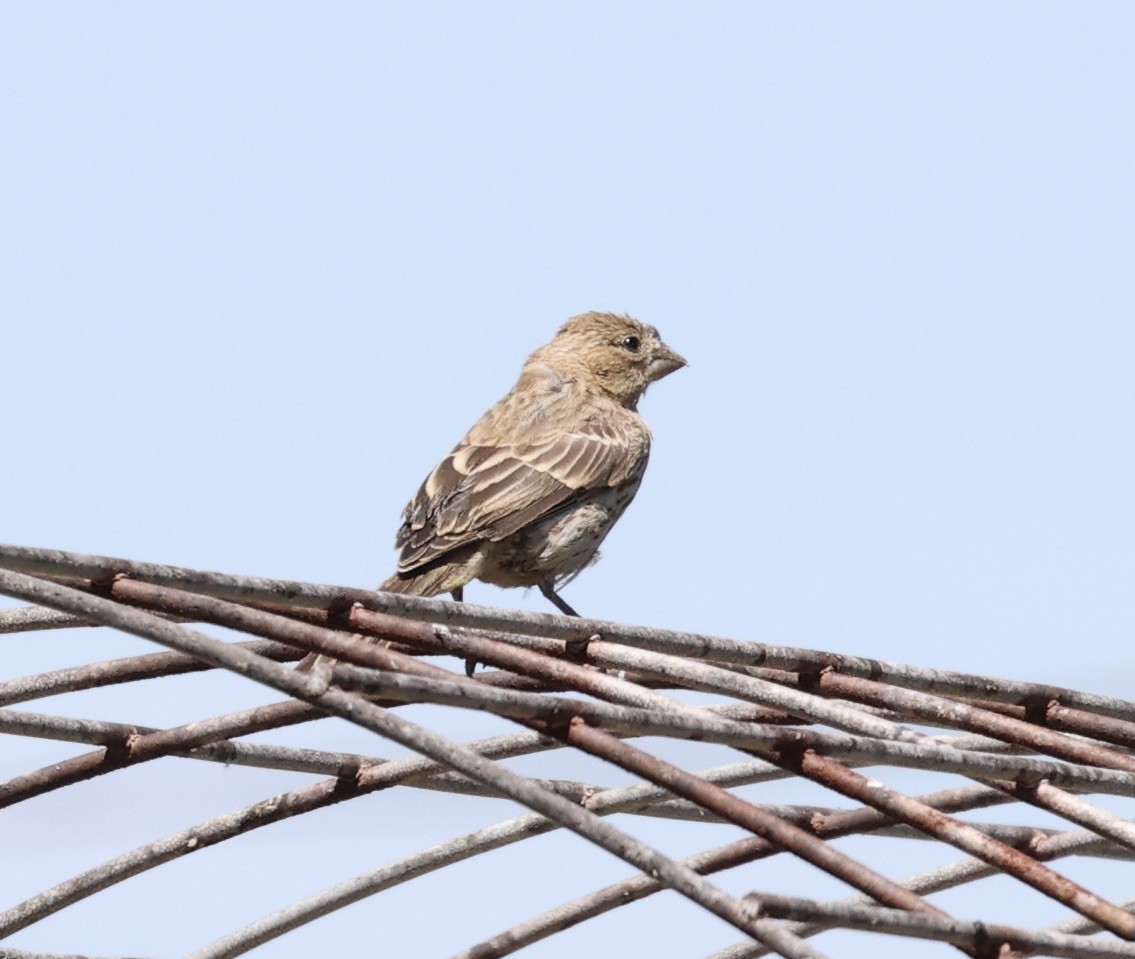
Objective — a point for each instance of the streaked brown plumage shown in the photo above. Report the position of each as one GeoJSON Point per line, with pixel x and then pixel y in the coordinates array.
{"type": "Point", "coordinates": [528, 495]}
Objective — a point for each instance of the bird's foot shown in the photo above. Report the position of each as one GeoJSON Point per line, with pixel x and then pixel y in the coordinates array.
{"type": "Point", "coordinates": [554, 598]}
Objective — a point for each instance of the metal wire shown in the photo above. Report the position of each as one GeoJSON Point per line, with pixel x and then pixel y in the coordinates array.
{"type": "Point", "coordinates": [598, 688]}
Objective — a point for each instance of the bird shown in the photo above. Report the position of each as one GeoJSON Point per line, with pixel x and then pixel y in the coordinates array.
{"type": "Point", "coordinates": [528, 495]}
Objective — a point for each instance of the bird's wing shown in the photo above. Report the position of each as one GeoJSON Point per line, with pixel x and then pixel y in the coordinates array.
{"type": "Point", "coordinates": [488, 490]}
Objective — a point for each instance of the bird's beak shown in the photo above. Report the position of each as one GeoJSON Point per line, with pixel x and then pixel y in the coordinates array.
{"type": "Point", "coordinates": [664, 362]}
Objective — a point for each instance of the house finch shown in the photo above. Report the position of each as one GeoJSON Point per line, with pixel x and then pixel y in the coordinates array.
{"type": "Point", "coordinates": [527, 496]}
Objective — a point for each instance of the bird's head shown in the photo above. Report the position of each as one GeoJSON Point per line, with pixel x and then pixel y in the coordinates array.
{"type": "Point", "coordinates": [616, 355]}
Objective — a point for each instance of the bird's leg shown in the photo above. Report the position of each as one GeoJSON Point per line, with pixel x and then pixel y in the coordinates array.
{"type": "Point", "coordinates": [458, 594]}
{"type": "Point", "coordinates": [554, 598]}
{"type": "Point", "coordinates": [576, 649]}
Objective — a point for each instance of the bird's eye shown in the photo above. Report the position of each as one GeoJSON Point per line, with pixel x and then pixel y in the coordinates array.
{"type": "Point", "coordinates": [631, 343]}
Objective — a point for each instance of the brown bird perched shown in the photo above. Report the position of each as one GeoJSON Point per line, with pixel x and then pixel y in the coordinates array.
{"type": "Point", "coordinates": [528, 495]}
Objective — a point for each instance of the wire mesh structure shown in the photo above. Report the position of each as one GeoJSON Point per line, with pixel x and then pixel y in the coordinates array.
{"type": "Point", "coordinates": [604, 690]}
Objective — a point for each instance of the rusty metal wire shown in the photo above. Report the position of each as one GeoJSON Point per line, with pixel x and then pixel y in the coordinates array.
{"type": "Point", "coordinates": [622, 695]}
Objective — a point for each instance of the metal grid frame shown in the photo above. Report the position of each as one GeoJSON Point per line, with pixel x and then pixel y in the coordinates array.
{"type": "Point", "coordinates": [594, 687]}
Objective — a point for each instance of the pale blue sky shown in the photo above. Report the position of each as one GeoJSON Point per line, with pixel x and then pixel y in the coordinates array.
{"type": "Point", "coordinates": [262, 264]}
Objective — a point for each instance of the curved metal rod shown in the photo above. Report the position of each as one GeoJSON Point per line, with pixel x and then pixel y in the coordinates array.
{"type": "Point", "coordinates": [28, 954]}
{"type": "Point", "coordinates": [326, 762]}
{"type": "Point", "coordinates": [1072, 808]}
{"type": "Point", "coordinates": [329, 763]}
{"type": "Point", "coordinates": [840, 823]}
{"type": "Point", "coordinates": [809, 763]}
{"type": "Point", "coordinates": [363, 713]}
{"type": "Point", "coordinates": [620, 800]}
{"type": "Point", "coordinates": [1046, 795]}
{"type": "Point", "coordinates": [295, 593]}
{"type": "Point", "coordinates": [355, 782]}
{"type": "Point", "coordinates": [798, 703]}
{"type": "Point", "coordinates": [135, 747]}
{"type": "Point", "coordinates": [26, 619]}
{"type": "Point", "coordinates": [703, 726]}
{"type": "Point", "coordinates": [767, 693]}
{"type": "Point", "coordinates": [847, 869]}
{"type": "Point", "coordinates": [973, 937]}
{"type": "Point", "coordinates": [132, 745]}
{"type": "Point", "coordinates": [949, 876]}
{"type": "Point", "coordinates": [128, 669]}
{"type": "Point", "coordinates": [1082, 926]}
{"type": "Point", "coordinates": [606, 802]}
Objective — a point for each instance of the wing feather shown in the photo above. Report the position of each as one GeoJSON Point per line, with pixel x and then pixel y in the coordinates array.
{"type": "Point", "coordinates": [488, 491]}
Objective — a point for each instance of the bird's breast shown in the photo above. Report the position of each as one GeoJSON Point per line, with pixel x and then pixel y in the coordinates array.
{"type": "Point", "coordinates": [560, 544]}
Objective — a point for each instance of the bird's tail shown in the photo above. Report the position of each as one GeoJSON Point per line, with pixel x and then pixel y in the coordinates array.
{"type": "Point", "coordinates": [427, 582]}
